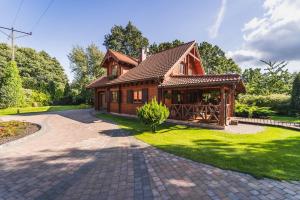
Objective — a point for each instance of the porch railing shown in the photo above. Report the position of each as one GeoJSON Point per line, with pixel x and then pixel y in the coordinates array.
{"type": "Point", "coordinates": [206, 113]}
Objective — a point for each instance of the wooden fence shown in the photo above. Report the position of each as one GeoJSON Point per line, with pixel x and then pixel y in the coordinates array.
{"type": "Point", "coordinates": [270, 122]}
{"type": "Point", "coordinates": [207, 113]}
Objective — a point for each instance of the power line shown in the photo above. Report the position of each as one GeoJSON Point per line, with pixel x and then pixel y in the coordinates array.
{"type": "Point", "coordinates": [42, 15]}
{"type": "Point", "coordinates": [18, 11]}
{"type": "Point", "coordinates": [13, 37]}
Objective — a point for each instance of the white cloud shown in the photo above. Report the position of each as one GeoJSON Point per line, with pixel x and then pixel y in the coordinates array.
{"type": "Point", "coordinates": [214, 29]}
{"type": "Point", "coordinates": [274, 36]}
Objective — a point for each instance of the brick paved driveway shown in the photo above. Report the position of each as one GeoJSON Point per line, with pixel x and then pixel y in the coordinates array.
{"type": "Point", "coordinates": [77, 156]}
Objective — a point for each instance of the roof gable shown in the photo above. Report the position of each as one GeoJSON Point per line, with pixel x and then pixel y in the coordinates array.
{"type": "Point", "coordinates": [119, 57]}
{"type": "Point", "coordinates": [156, 65]}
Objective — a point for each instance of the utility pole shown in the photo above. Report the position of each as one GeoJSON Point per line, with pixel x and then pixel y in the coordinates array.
{"type": "Point", "coordinates": [13, 37]}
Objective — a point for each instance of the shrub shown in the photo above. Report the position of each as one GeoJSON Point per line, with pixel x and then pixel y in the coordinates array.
{"type": "Point", "coordinates": [244, 110]}
{"type": "Point", "coordinates": [35, 98]}
{"type": "Point", "coordinates": [277, 102]}
{"type": "Point", "coordinates": [153, 114]}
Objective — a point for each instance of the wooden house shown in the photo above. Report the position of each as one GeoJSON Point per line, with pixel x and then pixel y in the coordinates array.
{"type": "Point", "coordinates": [174, 77]}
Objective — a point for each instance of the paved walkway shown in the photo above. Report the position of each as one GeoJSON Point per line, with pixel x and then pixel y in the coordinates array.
{"type": "Point", "coordinates": [78, 156]}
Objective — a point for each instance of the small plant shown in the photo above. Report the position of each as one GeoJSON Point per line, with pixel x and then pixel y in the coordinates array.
{"type": "Point", "coordinates": [153, 114]}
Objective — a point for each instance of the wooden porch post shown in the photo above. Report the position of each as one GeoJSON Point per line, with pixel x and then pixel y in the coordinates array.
{"type": "Point", "coordinates": [108, 99]}
{"type": "Point", "coordinates": [119, 99]}
{"type": "Point", "coordinates": [232, 99]}
{"type": "Point", "coordinates": [222, 107]}
{"type": "Point", "coordinates": [96, 99]}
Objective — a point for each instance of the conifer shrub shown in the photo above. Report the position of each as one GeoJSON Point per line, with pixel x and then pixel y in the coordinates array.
{"type": "Point", "coordinates": [153, 114]}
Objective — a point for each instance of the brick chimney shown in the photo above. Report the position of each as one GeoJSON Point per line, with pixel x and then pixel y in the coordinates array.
{"type": "Point", "coordinates": [143, 54]}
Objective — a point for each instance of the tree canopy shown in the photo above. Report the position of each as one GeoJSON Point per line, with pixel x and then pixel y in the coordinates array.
{"type": "Point", "coordinates": [85, 65]}
{"type": "Point", "coordinates": [275, 79]}
{"type": "Point", "coordinates": [155, 48]}
{"type": "Point", "coordinates": [128, 40]}
{"type": "Point", "coordinates": [38, 70]}
{"type": "Point", "coordinates": [214, 60]}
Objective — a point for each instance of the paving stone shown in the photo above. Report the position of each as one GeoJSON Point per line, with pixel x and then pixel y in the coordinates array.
{"type": "Point", "coordinates": [81, 157]}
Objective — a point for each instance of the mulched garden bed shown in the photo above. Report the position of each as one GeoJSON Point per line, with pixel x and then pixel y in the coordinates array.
{"type": "Point", "coordinates": [13, 130]}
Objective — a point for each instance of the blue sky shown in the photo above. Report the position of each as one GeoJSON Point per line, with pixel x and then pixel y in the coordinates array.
{"type": "Point", "coordinates": [231, 24]}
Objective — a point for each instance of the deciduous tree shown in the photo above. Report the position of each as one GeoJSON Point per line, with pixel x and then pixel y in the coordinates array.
{"type": "Point", "coordinates": [128, 40]}
{"type": "Point", "coordinates": [214, 60]}
{"type": "Point", "coordinates": [85, 65]}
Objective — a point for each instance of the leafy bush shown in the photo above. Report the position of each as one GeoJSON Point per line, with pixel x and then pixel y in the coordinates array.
{"type": "Point", "coordinates": [244, 110]}
{"type": "Point", "coordinates": [277, 102]}
{"type": "Point", "coordinates": [35, 98]}
{"type": "Point", "coordinates": [153, 114]}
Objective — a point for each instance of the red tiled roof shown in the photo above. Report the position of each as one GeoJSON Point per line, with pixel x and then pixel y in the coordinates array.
{"type": "Point", "coordinates": [101, 81]}
{"type": "Point", "coordinates": [124, 58]}
{"type": "Point", "coordinates": [155, 66]}
{"type": "Point", "coordinates": [203, 80]}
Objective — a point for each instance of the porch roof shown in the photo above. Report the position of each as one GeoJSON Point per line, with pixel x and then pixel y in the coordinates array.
{"type": "Point", "coordinates": [101, 81]}
{"type": "Point", "coordinates": [204, 80]}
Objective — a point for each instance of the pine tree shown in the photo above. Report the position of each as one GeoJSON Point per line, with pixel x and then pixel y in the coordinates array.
{"type": "Point", "coordinates": [11, 91]}
{"type": "Point", "coordinates": [295, 102]}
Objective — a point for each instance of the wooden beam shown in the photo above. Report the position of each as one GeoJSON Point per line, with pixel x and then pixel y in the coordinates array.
{"type": "Point", "coordinates": [194, 57]}
{"type": "Point", "coordinates": [222, 107]}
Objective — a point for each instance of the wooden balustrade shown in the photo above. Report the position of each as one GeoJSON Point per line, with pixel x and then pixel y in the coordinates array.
{"type": "Point", "coordinates": [206, 113]}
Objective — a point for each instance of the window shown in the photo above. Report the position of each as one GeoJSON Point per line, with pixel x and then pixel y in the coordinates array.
{"type": "Point", "coordinates": [137, 96]}
{"type": "Point", "coordinates": [114, 71]}
{"type": "Point", "coordinates": [182, 68]}
{"type": "Point", "coordinates": [114, 96]}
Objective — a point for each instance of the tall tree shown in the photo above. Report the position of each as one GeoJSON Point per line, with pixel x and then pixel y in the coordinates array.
{"type": "Point", "coordinates": [85, 64]}
{"type": "Point", "coordinates": [277, 79]}
{"type": "Point", "coordinates": [295, 101]}
{"type": "Point", "coordinates": [37, 69]}
{"type": "Point", "coordinates": [214, 60]}
{"type": "Point", "coordinates": [11, 91]}
{"type": "Point", "coordinates": [254, 81]}
{"type": "Point", "coordinates": [128, 40]}
{"type": "Point", "coordinates": [155, 48]}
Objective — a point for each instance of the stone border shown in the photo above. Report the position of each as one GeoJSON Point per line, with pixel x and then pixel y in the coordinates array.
{"type": "Point", "coordinates": [43, 127]}
{"type": "Point", "coordinates": [173, 121]}
{"type": "Point", "coordinates": [255, 121]}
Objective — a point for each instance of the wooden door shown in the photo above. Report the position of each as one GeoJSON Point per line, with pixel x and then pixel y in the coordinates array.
{"type": "Point", "coordinates": [102, 101]}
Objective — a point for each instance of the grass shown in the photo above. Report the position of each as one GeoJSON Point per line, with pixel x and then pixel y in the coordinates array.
{"type": "Point", "coordinates": [273, 153]}
{"type": "Point", "coordinates": [285, 118]}
{"type": "Point", "coordinates": [12, 111]}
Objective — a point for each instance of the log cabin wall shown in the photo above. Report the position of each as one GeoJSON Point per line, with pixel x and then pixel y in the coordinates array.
{"type": "Point", "coordinates": [130, 108]}
{"type": "Point", "coordinates": [125, 107]}
{"type": "Point", "coordinates": [122, 68]}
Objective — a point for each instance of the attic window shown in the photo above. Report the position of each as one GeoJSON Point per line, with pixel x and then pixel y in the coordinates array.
{"type": "Point", "coordinates": [114, 71]}
{"type": "Point", "coordinates": [182, 68]}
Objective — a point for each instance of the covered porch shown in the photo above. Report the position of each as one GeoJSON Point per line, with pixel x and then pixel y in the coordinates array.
{"type": "Point", "coordinates": [208, 103]}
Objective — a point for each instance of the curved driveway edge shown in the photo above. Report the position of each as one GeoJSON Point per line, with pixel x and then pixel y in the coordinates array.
{"type": "Point", "coordinates": [81, 157]}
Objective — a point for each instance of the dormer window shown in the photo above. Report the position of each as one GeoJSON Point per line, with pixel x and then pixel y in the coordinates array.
{"type": "Point", "coordinates": [182, 68]}
{"type": "Point", "coordinates": [114, 71]}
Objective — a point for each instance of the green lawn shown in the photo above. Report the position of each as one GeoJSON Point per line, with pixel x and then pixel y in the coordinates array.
{"type": "Point", "coordinates": [12, 111]}
{"type": "Point", "coordinates": [285, 118]}
{"type": "Point", "coordinates": [273, 153]}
